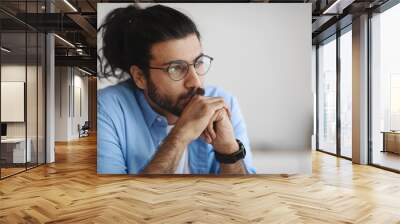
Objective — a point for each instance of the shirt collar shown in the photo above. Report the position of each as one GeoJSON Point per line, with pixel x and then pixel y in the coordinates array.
{"type": "Point", "coordinates": [148, 113]}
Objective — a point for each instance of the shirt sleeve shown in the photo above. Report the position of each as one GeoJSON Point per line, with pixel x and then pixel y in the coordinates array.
{"type": "Point", "coordinates": [110, 158]}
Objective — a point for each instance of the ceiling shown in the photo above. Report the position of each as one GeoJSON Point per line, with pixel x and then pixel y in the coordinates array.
{"type": "Point", "coordinates": [76, 22]}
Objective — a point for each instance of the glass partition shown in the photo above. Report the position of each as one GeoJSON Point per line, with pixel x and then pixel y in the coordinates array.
{"type": "Point", "coordinates": [13, 109]}
{"type": "Point", "coordinates": [22, 77]}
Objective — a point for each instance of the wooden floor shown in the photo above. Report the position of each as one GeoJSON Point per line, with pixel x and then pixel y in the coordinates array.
{"type": "Point", "coordinates": [70, 191]}
{"type": "Point", "coordinates": [387, 159]}
{"type": "Point", "coordinates": [10, 171]}
{"type": "Point", "coordinates": [5, 172]}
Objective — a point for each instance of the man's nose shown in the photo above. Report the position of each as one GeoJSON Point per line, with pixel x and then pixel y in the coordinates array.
{"type": "Point", "coordinates": [192, 79]}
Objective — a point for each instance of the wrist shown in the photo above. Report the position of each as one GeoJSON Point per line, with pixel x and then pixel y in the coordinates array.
{"type": "Point", "coordinates": [232, 157]}
{"type": "Point", "coordinates": [178, 135]}
{"type": "Point", "coordinates": [227, 148]}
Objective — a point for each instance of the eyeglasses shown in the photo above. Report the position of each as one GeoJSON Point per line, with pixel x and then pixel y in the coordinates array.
{"type": "Point", "coordinates": [177, 70]}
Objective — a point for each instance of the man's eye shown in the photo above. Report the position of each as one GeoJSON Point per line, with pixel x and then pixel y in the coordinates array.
{"type": "Point", "coordinates": [175, 69]}
{"type": "Point", "coordinates": [199, 63]}
{"type": "Point", "coordinates": [203, 61]}
{"type": "Point", "coordinates": [172, 70]}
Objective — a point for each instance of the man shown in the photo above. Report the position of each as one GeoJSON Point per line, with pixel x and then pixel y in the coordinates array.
{"type": "Point", "coordinates": [163, 120]}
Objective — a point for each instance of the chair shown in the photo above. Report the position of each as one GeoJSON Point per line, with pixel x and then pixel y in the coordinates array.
{"type": "Point", "coordinates": [84, 130]}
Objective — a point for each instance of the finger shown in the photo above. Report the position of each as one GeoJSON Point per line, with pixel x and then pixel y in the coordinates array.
{"type": "Point", "coordinates": [203, 136]}
{"type": "Point", "coordinates": [214, 102]}
{"type": "Point", "coordinates": [229, 113]}
{"type": "Point", "coordinates": [206, 99]}
{"type": "Point", "coordinates": [226, 107]}
{"type": "Point", "coordinates": [207, 136]}
{"type": "Point", "coordinates": [209, 100]}
{"type": "Point", "coordinates": [217, 105]}
{"type": "Point", "coordinates": [214, 99]}
{"type": "Point", "coordinates": [218, 115]}
{"type": "Point", "coordinates": [210, 128]}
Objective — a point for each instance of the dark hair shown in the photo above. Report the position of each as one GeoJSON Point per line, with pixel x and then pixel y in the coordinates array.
{"type": "Point", "coordinates": [129, 33]}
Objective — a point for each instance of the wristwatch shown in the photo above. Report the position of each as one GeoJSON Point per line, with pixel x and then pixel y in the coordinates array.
{"type": "Point", "coordinates": [231, 158]}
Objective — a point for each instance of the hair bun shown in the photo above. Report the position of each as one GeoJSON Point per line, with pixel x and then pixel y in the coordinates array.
{"type": "Point", "coordinates": [129, 33]}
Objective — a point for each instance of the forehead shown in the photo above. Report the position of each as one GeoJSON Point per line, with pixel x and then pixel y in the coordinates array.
{"type": "Point", "coordinates": [187, 49]}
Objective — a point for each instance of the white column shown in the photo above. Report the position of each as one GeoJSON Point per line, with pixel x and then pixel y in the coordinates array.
{"type": "Point", "coordinates": [50, 93]}
{"type": "Point", "coordinates": [314, 91]}
{"type": "Point", "coordinates": [360, 90]}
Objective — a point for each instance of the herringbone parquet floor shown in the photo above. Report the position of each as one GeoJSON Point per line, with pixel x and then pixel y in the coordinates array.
{"type": "Point", "coordinates": [70, 191]}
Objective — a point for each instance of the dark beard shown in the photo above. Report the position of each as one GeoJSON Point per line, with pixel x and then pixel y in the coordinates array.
{"type": "Point", "coordinates": [167, 104]}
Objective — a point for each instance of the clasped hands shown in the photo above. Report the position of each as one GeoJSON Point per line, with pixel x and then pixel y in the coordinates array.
{"type": "Point", "coordinates": [209, 118]}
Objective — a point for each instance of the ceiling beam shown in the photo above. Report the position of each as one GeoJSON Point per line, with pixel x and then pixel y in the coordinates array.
{"type": "Point", "coordinates": [337, 7]}
{"type": "Point", "coordinates": [86, 26]}
{"type": "Point", "coordinates": [82, 61]}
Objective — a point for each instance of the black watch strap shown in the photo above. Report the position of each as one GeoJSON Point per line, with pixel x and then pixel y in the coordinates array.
{"type": "Point", "coordinates": [231, 158]}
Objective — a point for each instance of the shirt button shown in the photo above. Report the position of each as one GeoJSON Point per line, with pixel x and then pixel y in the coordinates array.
{"type": "Point", "coordinates": [159, 119]}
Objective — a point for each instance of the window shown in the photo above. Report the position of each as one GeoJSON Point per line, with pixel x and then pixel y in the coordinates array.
{"type": "Point", "coordinates": [346, 93]}
{"type": "Point", "coordinates": [327, 96]}
{"type": "Point", "coordinates": [385, 88]}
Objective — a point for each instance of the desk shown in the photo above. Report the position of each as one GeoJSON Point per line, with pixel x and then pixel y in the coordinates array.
{"type": "Point", "coordinates": [391, 141]}
{"type": "Point", "coordinates": [13, 150]}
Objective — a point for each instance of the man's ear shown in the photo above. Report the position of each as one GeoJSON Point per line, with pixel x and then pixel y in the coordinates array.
{"type": "Point", "coordinates": [138, 76]}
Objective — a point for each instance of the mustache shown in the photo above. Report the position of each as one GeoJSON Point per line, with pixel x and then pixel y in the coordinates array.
{"type": "Point", "coordinates": [193, 92]}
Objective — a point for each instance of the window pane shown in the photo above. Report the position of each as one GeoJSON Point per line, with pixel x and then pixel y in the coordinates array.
{"type": "Point", "coordinates": [31, 97]}
{"type": "Point", "coordinates": [327, 97]}
{"type": "Point", "coordinates": [23, 87]}
{"type": "Point", "coordinates": [15, 150]}
{"type": "Point", "coordinates": [346, 93]}
{"type": "Point", "coordinates": [386, 88]}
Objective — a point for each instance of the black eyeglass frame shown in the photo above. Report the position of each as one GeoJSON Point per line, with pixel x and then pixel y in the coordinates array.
{"type": "Point", "coordinates": [166, 69]}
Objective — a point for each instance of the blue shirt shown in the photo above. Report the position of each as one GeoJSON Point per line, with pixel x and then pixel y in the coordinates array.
{"type": "Point", "coordinates": [129, 132]}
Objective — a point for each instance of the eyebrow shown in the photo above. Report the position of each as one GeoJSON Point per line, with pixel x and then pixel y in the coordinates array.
{"type": "Point", "coordinates": [167, 63]}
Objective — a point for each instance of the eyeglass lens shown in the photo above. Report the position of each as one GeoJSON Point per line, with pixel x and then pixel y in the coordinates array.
{"type": "Point", "coordinates": [178, 70]}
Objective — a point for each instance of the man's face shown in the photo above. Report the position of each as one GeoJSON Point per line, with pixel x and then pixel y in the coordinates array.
{"type": "Point", "coordinates": [165, 93]}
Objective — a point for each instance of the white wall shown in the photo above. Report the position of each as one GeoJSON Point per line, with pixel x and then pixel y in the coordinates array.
{"type": "Point", "coordinates": [14, 72]}
{"type": "Point", "coordinates": [67, 115]}
{"type": "Point", "coordinates": [262, 56]}
{"type": "Point", "coordinates": [17, 73]}
{"type": "Point", "coordinates": [61, 103]}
